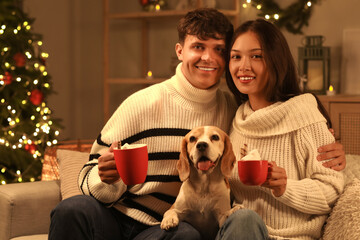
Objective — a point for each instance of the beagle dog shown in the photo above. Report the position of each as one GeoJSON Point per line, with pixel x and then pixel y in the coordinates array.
{"type": "Point", "coordinates": [206, 160]}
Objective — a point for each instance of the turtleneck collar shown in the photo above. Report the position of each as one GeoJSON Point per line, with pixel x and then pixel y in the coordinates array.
{"type": "Point", "coordinates": [205, 97]}
{"type": "Point", "coordinates": [278, 118]}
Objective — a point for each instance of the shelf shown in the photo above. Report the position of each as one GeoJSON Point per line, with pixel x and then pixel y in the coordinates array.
{"type": "Point", "coordinates": [145, 19]}
{"type": "Point", "coordinates": [160, 14]}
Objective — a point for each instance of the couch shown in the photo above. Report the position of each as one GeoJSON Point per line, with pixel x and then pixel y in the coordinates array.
{"type": "Point", "coordinates": [25, 207]}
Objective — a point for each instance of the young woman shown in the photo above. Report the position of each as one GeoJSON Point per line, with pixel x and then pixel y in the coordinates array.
{"type": "Point", "coordinates": [287, 128]}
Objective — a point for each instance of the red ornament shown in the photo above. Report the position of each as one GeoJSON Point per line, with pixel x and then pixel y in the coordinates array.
{"type": "Point", "coordinates": [36, 97]}
{"type": "Point", "coordinates": [7, 78]}
{"type": "Point", "coordinates": [144, 2]}
{"type": "Point", "coordinates": [43, 61]}
{"type": "Point", "coordinates": [20, 59]}
{"type": "Point", "coordinates": [31, 148]}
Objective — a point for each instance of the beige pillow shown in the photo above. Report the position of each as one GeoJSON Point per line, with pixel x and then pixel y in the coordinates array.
{"type": "Point", "coordinates": [70, 164]}
{"type": "Point", "coordinates": [344, 220]}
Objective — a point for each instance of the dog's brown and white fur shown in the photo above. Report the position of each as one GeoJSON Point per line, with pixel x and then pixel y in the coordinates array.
{"type": "Point", "coordinates": [206, 159]}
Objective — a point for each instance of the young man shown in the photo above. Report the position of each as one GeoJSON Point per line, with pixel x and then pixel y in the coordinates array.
{"type": "Point", "coordinates": [159, 116]}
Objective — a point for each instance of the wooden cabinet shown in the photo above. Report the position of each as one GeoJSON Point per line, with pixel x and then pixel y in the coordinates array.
{"type": "Point", "coordinates": [145, 18]}
{"type": "Point", "coordinates": [344, 112]}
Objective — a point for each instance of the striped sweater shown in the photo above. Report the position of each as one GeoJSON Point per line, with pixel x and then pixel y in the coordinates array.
{"type": "Point", "coordinates": [288, 133]}
{"type": "Point", "coordinates": [159, 116]}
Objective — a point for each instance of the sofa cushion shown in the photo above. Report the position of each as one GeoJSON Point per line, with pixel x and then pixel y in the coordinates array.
{"type": "Point", "coordinates": [70, 164]}
{"type": "Point", "coordinates": [25, 207]}
{"type": "Point", "coordinates": [32, 237]}
{"type": "Point", "coordinates": [50, 169]}
{"type": "Point", "coordinates": [344, 219]}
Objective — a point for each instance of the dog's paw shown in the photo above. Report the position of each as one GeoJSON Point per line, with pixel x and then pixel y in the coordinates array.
{"type": "Point", "coordinates": [223, 217]}
{"type": "Point", "coordinates": [235, 208]}
{"type": "Point", "coordinates": [170, 220]}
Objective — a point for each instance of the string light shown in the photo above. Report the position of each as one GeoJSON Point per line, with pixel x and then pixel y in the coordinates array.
{"type": "Point", "coordinates": [28, 55]}
{"type": "Point", "coordinates": [44, 55]}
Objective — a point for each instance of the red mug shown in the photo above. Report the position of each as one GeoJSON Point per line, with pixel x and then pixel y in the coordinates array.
{"type": "Point", "coordinates": [253, 172]}
{"type": "Point", "coordinates": [132, 163]}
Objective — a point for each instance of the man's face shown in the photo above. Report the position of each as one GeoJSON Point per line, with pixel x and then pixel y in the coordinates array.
{"type": "Point", "coordinates": [203, 60]}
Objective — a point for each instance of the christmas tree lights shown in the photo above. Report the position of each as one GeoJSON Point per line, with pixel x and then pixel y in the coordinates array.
{"type": "Point", "coordinates": [293, 18]}
{"type": "Point", "coordinates": [27, 126]}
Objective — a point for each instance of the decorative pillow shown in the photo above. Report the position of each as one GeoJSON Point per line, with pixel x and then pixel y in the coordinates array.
{"type": "Point", "coordinates": [70, 164]}
{"type": "Point", "coordinates": [344, 220]}
{"type": "Point", "coordinates": [50, 168]}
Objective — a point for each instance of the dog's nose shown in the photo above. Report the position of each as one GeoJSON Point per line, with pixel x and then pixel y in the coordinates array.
{"type": "Point", "coordinates": [201, 146]}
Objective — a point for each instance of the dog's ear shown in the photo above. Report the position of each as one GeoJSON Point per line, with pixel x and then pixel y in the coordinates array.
{"type": "Point", "coordinates": [228, 158]}
{"type": "Point", "coordinates": [183, 165]}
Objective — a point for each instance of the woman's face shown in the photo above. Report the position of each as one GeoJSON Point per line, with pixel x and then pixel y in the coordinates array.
{"type": "Point", "coordinates": [247, 66]}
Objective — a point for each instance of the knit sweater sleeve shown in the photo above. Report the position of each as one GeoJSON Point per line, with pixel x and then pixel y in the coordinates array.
{"type": "Point", "coordinates": [123, 123]}
{"type": "Point", "coordinates": [319, 186]}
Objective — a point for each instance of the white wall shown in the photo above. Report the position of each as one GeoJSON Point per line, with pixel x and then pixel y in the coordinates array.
{"type": "Point", "coordinates": [72, 31]}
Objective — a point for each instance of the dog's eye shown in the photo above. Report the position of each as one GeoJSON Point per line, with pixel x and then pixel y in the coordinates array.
{"type": "Point", "coordinates": [215, 137]}
{"type": "Point", "coordinates": [192, 139]}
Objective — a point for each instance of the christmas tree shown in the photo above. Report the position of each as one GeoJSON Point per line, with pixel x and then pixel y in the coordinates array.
{"type": "Point", "coordinates": [27, 127]}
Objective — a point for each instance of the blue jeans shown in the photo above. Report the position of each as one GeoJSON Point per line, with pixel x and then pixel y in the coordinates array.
{"type": "Point", "coordinates": [244, 224]}
{"type": "Point", "coordinates": [83, 217]}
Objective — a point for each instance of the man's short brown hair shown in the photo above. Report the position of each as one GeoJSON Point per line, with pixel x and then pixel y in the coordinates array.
{"type": "Point", "coordinates": [205, 23]}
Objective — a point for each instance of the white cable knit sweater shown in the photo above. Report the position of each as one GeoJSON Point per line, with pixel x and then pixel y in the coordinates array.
{"type": "Point", "coordinates": [159, 116]}
{"type": "Point", "coordinates": [288, 133]}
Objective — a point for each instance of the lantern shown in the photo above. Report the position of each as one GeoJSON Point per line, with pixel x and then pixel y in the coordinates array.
{"type": "Point", "coordinates": [314, 65]}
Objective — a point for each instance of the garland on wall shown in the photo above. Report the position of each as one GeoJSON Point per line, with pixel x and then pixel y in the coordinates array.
{"type": "Point", "coordinates": [293, 18]}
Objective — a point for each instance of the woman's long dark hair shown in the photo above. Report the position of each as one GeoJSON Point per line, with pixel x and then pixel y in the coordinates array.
{"type": "Point", "coordinates": [283, 82]}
